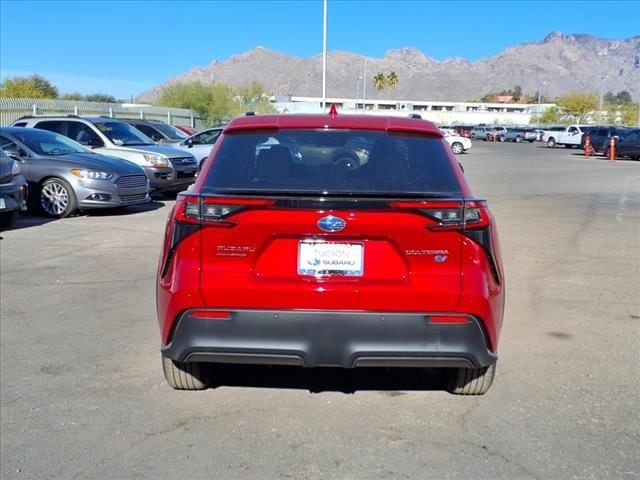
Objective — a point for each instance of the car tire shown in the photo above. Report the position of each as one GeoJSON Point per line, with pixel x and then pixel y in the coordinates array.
{"type": "Point", "coordinates": [57, 199]}
{"type": "Point", "coordinates": [8, 218]}
{"type": "Point", "coordinates": [551, 142]}
{"type": "Point", "coordinates": [457, 147]}
{"type": "Point", "coordinates": [518, 139]}
{"type": "Point", "coordinates": [502, 138]}
{"type": "Point", "coordinates": [471, 381]}
{"type": "Point", "coordinates": [185, 375]}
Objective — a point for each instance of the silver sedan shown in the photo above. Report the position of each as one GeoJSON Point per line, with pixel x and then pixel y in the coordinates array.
{"type": "Point", "coordinates": [65, 177]}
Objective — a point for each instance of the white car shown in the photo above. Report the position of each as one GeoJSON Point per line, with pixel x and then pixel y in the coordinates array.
{"type": "Point", "coordinates": [200, 144]}
{"type": "Point", "coordinates": [458, 144]}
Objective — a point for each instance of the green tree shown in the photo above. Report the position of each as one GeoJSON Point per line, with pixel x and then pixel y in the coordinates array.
{"type": "Point", "coordinates": [35, 86]}
{"type": "Point", "coordinates": [578, 105]}
{"type": "Point", "coordinates": [72, 96]}
{"type": "Point", "coordinates": [100, 97]}
{"type": "Point", "coordinates": [625, 114]}
{"type": "Point", "coordinates": [489, 98]}
{"type": "Point", "coordinates": [216, 103]}
{"type": "Point", "coordinates": [517, 93]}
{"type": "Point", "coordinates": [252, 97]}
{"type": "Point", "coordinates": [45, 86]}
{"type": "Point", "coordinates": [550, 116]}
{"type": "Point", "coordinates": [392, 80]}
{"type": "Point", "coordinates": [379, 81]}
{"type": "Point", "coordinates": [621, 98]}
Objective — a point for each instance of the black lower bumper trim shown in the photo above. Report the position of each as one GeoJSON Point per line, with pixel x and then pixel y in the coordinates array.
{"type": "Point", "coordinates": [329, 338]}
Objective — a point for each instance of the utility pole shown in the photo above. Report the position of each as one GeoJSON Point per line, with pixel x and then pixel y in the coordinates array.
{"type": "Point", "coordinates": [540, 85]}
{"type": "Point", "coordinates": [602, 79]}
{"type": "Point", "coordinates": [324, 57]}
{"type": "Point", "coordinates": [364, 87]}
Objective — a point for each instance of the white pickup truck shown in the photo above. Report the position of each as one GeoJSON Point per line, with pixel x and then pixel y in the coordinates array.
{"type": "Point", "coordinates": [569, 136]}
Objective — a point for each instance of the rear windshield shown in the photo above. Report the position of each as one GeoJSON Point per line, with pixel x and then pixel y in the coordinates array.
{"type": "Point", "coordinates": [326, 162]}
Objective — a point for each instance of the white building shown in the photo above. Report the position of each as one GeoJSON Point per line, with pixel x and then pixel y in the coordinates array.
{"type": "Point", "coordinates": [442, 113]}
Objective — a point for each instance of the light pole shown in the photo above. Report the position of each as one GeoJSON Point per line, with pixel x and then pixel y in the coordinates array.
{"type": "Point", "coordinates": [364, 87]}
{"type": "Point", "coordinates": [636, 64]}
{"type": "Point", "coordinates": [540, 85]}
{"type": "Point", "coordinates": [602, 79]}
{"type": "Point", "coordinates": [324, 57]}
{"type": "Point", "coordinates": [357, 91]}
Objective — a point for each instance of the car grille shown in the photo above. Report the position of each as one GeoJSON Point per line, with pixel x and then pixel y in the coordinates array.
{"type": "Point", "coordinates": [133, 198]}
{"type": "Point", "coordinates": [190, 174]}
{"type": "Point", "coordinates": [183, 161]}
{"type": "Point", "coordinates": [132, 181]}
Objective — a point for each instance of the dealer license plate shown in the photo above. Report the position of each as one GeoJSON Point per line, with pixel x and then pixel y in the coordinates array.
{"type": "Point", "coordinates": [326, 258]}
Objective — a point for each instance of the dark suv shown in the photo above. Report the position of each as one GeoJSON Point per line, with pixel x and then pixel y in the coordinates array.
{"type": "Point", "coordinates": [600, 137]}
{"type": "Point", "coordinates": [329, 240]}
{"type": "Point", "coordinates": [159, 132]}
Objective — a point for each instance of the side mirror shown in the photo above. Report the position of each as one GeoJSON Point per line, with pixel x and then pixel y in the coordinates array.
{"type": "Point", "coordinates": [94, 142]}
{"type": "Point", "coordinates": [15, 152]}
{"type": "Point", "coordinates": [156, 137]}
{"type": "Point", "coordinates": [190, 143]}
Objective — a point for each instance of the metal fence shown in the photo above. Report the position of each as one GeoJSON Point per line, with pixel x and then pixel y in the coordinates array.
{"type": "Point", "coordinates": [13, 108]}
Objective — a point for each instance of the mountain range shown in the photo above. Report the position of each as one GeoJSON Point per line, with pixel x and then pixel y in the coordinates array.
{"type": "Point", "coordinates": [565, 63]}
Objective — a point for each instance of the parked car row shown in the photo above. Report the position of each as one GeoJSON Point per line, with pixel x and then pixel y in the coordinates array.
{"type": "Point", "coordinates": [502, 133]}
{"type": "Point", "coordinates": [70, 163]}
{"type": "Point", "coordinates": [63, 176]}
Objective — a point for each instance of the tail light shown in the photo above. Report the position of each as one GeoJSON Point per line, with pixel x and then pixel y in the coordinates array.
{"type": "Point", "coordinates": [457, 215]}
{"type": "Point", "coordinates": [213, 211]}
{"type": "Point", "coordinates": [470, 217]}
{"type": "Point", "coordinates": [193, 212]}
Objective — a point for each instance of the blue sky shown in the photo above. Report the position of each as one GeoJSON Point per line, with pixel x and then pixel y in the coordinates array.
{"type": "Point", "coordinates": [123, 48]}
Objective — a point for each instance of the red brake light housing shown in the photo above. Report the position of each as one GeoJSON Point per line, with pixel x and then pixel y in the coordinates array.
{"type": "Point", "coordinates": [470, 217]}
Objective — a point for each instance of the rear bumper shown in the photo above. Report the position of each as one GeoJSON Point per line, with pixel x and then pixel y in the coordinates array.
{"type": "Point", "coordinates": [329, 338]}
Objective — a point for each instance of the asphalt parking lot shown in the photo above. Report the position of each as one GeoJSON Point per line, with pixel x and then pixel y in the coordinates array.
{"type": "Point", "coordinates": [83, 396]}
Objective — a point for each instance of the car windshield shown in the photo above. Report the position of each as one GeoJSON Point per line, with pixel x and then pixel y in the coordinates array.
{"type": "Point", "coordinates": [44, 142]}
{"type": "Point", "coordinates": [122, 133]}
{"type": "Point", "coordinates": [170, 131]}
{"type": "Point", "coordinates": [333, 162]}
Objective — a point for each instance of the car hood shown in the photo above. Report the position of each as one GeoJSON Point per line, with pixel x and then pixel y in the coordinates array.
{"type": "Point", "coordinates": [98, 162]}
{"type": "Point", "coordinates": [165, 150]}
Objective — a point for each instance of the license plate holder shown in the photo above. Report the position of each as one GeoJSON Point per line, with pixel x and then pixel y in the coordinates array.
{"type": "Point", "coordinates": [344, 259]}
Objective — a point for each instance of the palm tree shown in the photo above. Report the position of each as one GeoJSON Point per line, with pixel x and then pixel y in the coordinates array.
{"type": "Point", "coordinates": [379, 81]}
{"type": "Point", "coordinates": [392, 81]}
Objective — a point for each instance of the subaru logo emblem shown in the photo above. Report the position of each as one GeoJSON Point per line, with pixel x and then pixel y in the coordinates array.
{"type": "Point", "coordinates": [331, 224]}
